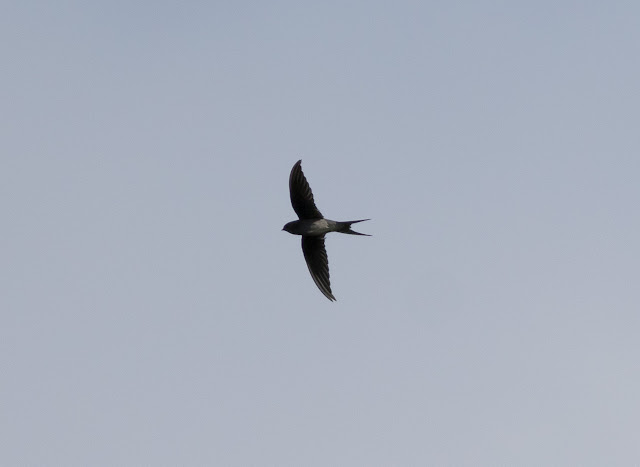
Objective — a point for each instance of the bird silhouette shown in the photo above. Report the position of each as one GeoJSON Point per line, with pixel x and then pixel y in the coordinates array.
{"type": "Point", "coordinates": [313, 226]}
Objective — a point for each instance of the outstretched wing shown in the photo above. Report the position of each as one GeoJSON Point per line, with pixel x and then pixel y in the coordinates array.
{"type": "Point", "coordinates": [301, 195]}
{"type": "Point", "coordinates": [316, 257]}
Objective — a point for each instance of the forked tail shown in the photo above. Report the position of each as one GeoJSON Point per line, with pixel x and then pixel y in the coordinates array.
{"type": "Point", "coordinates": [345, 227]}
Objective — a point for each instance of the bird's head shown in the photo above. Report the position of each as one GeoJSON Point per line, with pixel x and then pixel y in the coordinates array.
{"type": "Point", "coordinates": [289, 227]}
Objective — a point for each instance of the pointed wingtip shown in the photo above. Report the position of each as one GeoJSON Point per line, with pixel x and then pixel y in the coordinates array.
{"type": "Point", "coordinates": [326, 293]}
{"type": "Point", "coordinates": [297, 165]}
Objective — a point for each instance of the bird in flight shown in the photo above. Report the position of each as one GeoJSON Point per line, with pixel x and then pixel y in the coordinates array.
{"type": "Point", "coordinates": [312, 226]}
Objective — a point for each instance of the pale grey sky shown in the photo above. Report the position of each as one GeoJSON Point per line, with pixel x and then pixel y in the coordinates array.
{"type": "Point", "coordinates": [153, 312]}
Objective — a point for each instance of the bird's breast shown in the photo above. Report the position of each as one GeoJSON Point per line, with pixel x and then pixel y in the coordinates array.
{"type": "Point", "coordinates": [321, 227]}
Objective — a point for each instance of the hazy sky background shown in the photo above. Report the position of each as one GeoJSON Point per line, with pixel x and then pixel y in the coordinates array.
{"type": "Point", "coordinates": [153, 312]}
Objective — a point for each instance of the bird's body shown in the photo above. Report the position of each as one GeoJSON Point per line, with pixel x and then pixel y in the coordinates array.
{"type": "Point", "coordinates": [312, 226]}
{"type": "Point", "coordinates": [318, 227]}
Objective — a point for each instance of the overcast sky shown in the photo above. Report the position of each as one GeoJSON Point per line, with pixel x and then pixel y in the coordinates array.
{"type": "Point", "coordinates": [152, 312]}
